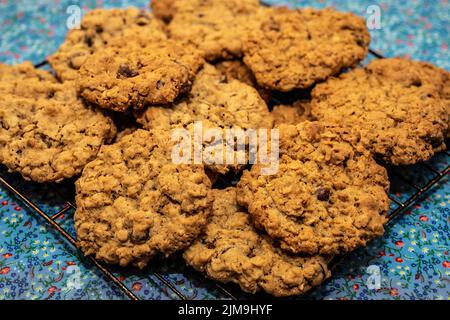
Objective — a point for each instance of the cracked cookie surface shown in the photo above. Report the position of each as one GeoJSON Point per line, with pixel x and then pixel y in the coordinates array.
{"type": "Point", "coordinates": [98, 28]}
{"type": "Point", "coordinates": [133, 75]}
{"type": "Point", "coordinates": [47, 134]}
{"type": "Point", "coordinates": [232, 250]}
{"type": "Point", "coordinates": [400, 113]}
{"type": "Point", "coordinates": [217, 27]}
{"type": "Point", "coordinates": [294, 113]}
{"type": "Point", "coordinates": [134, 203]}
{"type": "Point", "coordinates": [328, 197]}
{"type": "Point", "coordinates": [297, 48]}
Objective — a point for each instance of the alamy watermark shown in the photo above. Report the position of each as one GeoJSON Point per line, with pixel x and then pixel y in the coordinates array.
{"type": "Point", "coordinates": [231, 146]}
{"type": "Point", "coordinates": [373, 20]}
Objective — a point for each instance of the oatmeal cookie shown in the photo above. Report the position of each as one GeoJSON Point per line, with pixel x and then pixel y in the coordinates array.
{"type": "Point", "coordinates": [24, 71]}
{"type": "Point", "coordinates": [217, 103]}
{"type": "Point", "coordinates": [231, 250]}
{"type": "Point", "coordinates": [133, 202]}
{"type": "Point", "coordinates": [294, 113]}
{"type": "Point", "coordinates": [164, 9]}
{"type": "Point", "coordinates": [138, 74]}
{"type": "Point", "coordinates": [217, 27]}
{"type": "Point", "coordinates": [297, 48]}
{"type": "Point", "coordinates": [328, 197]}
{"type": "Point", "coordinates": [403, 120]}
{"type": "Point", "coordinates": [98, 28]}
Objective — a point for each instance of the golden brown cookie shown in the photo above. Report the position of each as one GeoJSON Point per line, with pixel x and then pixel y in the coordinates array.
{"type": "Point", "coordinates": [231, 250]}
{"type": "Point", "coordinates": [403, 120]}
{"type": "Point", "coordinates": [328, 197]}
{"type": "Point", "coordinates": [47, 134]}
{"type": "Point", "coordinates": [163, 9]}
{"type": "Point", "coordinates": [98, 28]}
{"type": "Point", "coordinates": [217, 27]}
{"type": "Point", "coordinates": [135, 74]}
{"type": "Point", "coordinates": [133, 202]}
{"type": "Point", "coordinates": [293, 49]}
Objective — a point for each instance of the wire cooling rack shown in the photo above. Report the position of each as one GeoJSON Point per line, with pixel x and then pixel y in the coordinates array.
{"type": "Point", "coordinates": [409, 184]}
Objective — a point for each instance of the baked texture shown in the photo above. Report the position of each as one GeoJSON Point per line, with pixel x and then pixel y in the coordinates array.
{"type": "Point", "coordinates": [231, 250]}
{"type": "Point", "coordinates": [98, 28]}
{"type": "Point", "coordinates": [403, 120]}
{"type": "Point", "coordinates": [47, 134]}
{"type": "Point", "coordinates": [236, 69]}
{"type": "Point", "coordinates": [135, 74]}
{"type": "Point", "coordinates": [163, 9]}
{"type": "Point", "coordinates": [218, 104]}
{"type": "Point", "coordinates": [293, 49]}
{"type": "Point", "coordinates": [328, 197]}
{"type": "Point", "coordinates": [217, 27]}
{"type": "Point", "coordinates": [133, 202]}
{"type": "Point", "coordinates": [293, 113]}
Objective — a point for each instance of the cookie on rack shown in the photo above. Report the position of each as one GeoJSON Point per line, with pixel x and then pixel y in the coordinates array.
{"type": "Point", "coordinates": [98, 28]}
{"type": "Point", "coordinates": [47, 134]}
{"type": "Point", "coordinates": [401, 113]}
{"type": "Point", "coordinates": [133, 74]}
{"type": "Point", "coordinates": [294, 113]}
{"type": "Point", "coordinates": [232, 250]}
{"type": "Point", "coordinates": [216, 103]}
{"type": "Point", "coordinates": [328, 197]}
{"type": "Point", "coordinates": [217, 27]}
{"type": "Point", "coordinates": [133, 202]}
{"type": "Point", "coordinates": [293, 49]}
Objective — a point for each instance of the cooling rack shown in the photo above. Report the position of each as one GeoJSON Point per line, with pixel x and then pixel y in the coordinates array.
{"type": "Point", "coordinates": [405, 179]}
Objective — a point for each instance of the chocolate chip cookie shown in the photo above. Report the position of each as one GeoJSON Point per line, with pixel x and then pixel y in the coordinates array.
{"type": "Point", "coordinates": [134, 74]}
{"type": "Point", "coordinates": [328, 197]}
{"type": "Point", "coordinates": [401, 115]}
{"type": "Point", "coordinates": [231, 250]}
{"type": "Point", "coordinates": [217, 27]}
{"type": "Point", "coordinates": [293, 49]}
{"type": "Point", "coordinates": [133, 202]}
{"type": "Point", "coordinates": [164, 9]}
{"type": "Point", "coordinates": [98, 28]}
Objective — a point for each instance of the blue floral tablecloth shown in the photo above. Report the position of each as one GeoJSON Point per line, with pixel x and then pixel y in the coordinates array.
{"type": "Point", "coordinates": [410, 262]}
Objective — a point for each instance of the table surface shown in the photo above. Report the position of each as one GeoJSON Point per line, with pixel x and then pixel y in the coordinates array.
{"type": "Point", "coordinates": [413, 256]}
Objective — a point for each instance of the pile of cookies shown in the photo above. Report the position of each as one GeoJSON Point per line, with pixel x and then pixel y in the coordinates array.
{"type": "Point", "coordinates": [222, 62]}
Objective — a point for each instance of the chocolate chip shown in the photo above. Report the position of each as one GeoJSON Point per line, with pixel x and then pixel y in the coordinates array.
{"type": "Point", "coordinates": [98, 29]}
{"type": "Point", "coordinates": [143, 18]}
{"type": "Point", "coordinates": [126, 71]}
{"type": "Point", "coordinates": [88, 40]}
{"type": "Point", "coordinates": [140, 237]}
{"type": "Point", "coordinates": [160, 84]}
{"type": "Point", "coordinates": [323, 194]}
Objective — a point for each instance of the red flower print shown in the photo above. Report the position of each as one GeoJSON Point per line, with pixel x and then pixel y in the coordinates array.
{"type": "Point", "coordinates": [17, 208]}
{"type": "Point", "coordinates": [7, 255]}
{"type": "Point", "coordinates": [399, 243]}
{"type": "Point", "coordinates": [137, 286]}
{"type": "Point", "coordinates": [382, 253]}
{"type": "Point", "coordinates": [52, 289]}
{"type": "Point", "coordinates": [70, 263]}
{"type": "Point", "coordinates": [399, 260]}
{"type": "Point", "coordinates": [446, 264]}
{"type": "Point", "coordinates": [391, 254]}
{"type": "Point", "coordinates": [48, 263]}
{"type": "Point", "coordinates": [423, 218]}
{"type": "Point", "coordinates": [5, 270]}
{"type": "Point", "coordinates": [446, 253]}
{"type": "Point", "coordinates": [393, 292]}
{"type": "Point", "coordinates": [121, 278]}
{"type": "Point", "coordinates": [356, 287]}
{"type": "Point", "coordinates": [4, 203]}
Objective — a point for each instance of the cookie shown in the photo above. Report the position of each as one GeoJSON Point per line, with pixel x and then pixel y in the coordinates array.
{"type": "Point", "coordinates": [134, 74]}
{"type": "Point", "coordinates": [24, 71]}
{"type": "Point", "coordinates": [216, 103]}
{"type": "Point", "coordinates": [402, 120]}
{"type": "Point", "coordinates": [236, 69]}
{"type": "Point", "coordinates": [231, 250]}
{"type": "Point", "coordinates": [98, 28]}
{"type": "Point", "coordinates": [294, 113]}
{"type": "Point", "coordinates": [294, 49]}
{"type": "Point", "coordinates": [217, 27]}
{"type": "Point", "coordinates": [134, 203]}
{"type": "Point", "coordinates": [328, 197]}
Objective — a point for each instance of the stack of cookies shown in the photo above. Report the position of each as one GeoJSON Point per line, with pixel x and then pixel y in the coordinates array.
{"type": "Point", "coordinates": [221, 63]}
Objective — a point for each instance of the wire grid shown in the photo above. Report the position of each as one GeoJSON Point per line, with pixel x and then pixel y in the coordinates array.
{"type": "Point", "coordinates": [437, 175]}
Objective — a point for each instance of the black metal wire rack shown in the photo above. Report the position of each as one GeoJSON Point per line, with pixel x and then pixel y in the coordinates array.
{"type": "Point", "coordinates": [434, 175]}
